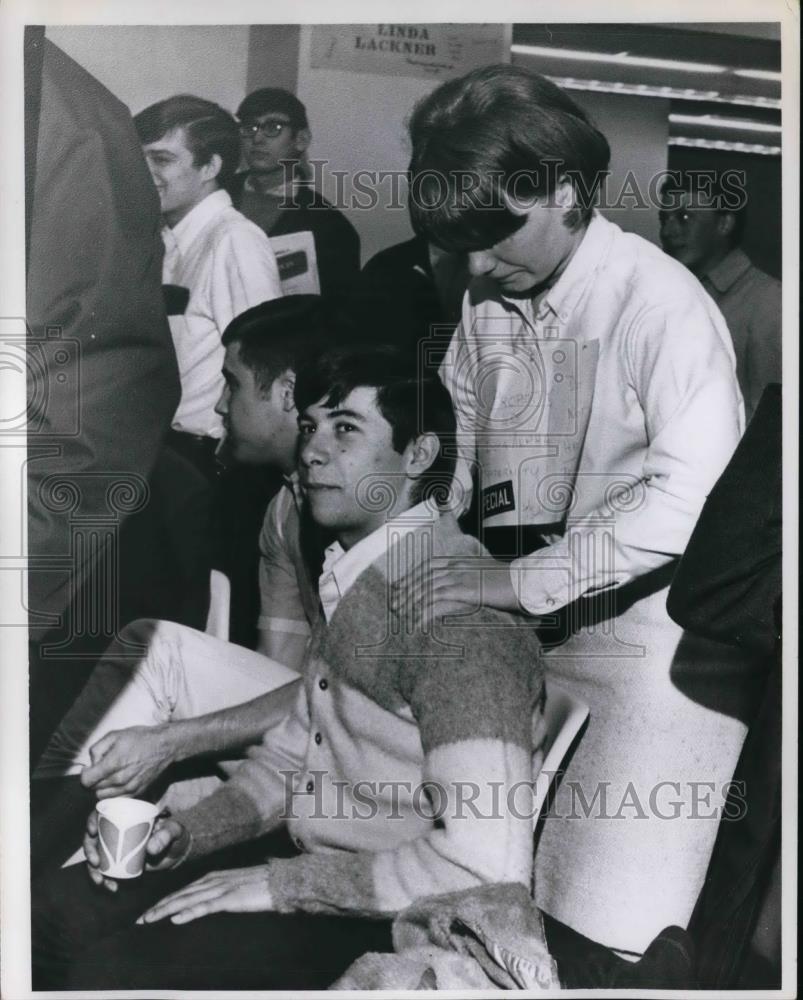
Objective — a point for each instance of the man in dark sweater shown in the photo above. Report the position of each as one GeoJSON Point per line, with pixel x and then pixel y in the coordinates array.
{"type": "Point", "coordinates": [276, 193]}
{"type": "Point", "coordinates": [426, 723]}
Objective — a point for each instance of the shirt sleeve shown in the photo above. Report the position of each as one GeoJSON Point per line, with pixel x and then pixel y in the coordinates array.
{"type": "Point", "coordinates": [280, 602]}
{"type": "Point", "coordinates": [763, 361]}
{"type": "Point", "coordinates": [257, 797]}
{"type": "Point", "coordinates": [684, 380]}
{"type": "Point", "coordinates": [456, 373]}
{"type": "Point", "coordinates": [476, 729]}
{"type": "Point", "coordinates": [244, 273]}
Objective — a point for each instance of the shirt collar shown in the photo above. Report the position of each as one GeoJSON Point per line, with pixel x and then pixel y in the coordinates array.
{"type": "Point", "coordinates": [283, 189]}
{"type": "Point", "coordinates": [278, 191]}
{"type": "Point", "coordinates": [185, 232]}
{"type": "Point", "coordinates": [293, 483]}
{"type": "Point", "coordinates": [729, 270]}
{"type": "Point", "coordinates": [341, 568]}
{"type": "Point", "coordinates": [564, 295]}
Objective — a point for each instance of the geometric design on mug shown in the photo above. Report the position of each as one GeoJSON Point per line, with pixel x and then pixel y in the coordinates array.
{"type": "Point", "coordinates": [135, 839]}
{"type": "Point", "coordinates": [109, 836]}
{"type": "Point", "coordinates": [105, 860]}
{"type": "Point", "coordinates": [133, 836]}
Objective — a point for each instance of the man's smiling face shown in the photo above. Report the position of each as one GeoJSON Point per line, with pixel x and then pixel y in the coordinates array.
{"type": "Point", "coordinates": [345, 451]}
{"type": "Point", "coordinates": [180, 182]}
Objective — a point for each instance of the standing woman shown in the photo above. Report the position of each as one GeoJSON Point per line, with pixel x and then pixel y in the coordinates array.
{"type": "Point", "coordinates": [597, 403]}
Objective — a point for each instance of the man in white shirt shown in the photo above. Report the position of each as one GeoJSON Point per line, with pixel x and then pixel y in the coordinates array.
{"type": "Point", "coordinates": [217, 264]}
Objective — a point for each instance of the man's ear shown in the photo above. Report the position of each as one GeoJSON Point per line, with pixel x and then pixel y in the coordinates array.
{"type": "Point", "coordinates": [210, 170]}
{"type": "Point", "coordinates": [726, 223]}
{"type": "Point", "coordinates": [423, 451]}
{"type": "Point", "coordinates": [564, 194]}
{"type": "Point", "coordinates": [285, 386]}
{"type": "Point", "coordinates": [302, 140]}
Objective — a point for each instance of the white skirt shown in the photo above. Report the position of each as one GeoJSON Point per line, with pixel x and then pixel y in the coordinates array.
{"type": "Point", "coordinates": [626, 844]}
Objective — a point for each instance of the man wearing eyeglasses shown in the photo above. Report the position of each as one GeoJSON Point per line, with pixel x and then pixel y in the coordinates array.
{"type": "Point", "coordinates": [275, 190]}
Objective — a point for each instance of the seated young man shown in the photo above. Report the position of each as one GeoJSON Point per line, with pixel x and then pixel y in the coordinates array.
{"type": "Point", "coordinates": [404, 767]}
{"type": "Point", "coordinates": [189, 695]}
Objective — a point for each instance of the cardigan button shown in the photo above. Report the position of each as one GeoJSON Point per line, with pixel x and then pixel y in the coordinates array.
{"type": "Point", "coordinates": [323, 684]}
{"type": "Point", "coordinates": [318, 738]}
{"type": "Point", "coordinates": [310, 787]}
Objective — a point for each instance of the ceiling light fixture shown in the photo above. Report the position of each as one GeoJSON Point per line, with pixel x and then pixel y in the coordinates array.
{"type": "Point", "coordinates": [680, 93]}
{"type": "Point", "coordinates": [617, 58]}
{"type": "Point", "coordinates": [647, 62]}
{"type": "Point", "coordinates": [725, 147]}
{"type": "Point", "coordinates": [759, 74]}
{"type": "Point", "coordinates": [734, 123]}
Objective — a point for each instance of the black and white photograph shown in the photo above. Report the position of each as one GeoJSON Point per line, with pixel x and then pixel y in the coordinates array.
{"type": "Point", "coordinates": [398, 498]}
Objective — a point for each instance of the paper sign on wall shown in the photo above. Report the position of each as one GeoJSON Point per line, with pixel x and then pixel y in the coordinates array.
{"type": "Point", "coordinates": [438, 51]}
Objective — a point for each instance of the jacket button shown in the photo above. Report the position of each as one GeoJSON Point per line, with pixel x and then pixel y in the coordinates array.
{"type": "Point", "coordinates": [318, 738]}
{"type": "Point", "coordinates": [310, 786]}
{"type": "Point", "coordinates": [323, 684]}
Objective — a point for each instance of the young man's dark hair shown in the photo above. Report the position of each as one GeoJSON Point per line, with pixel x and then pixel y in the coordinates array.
{"type": "Point", "coordinates": [267, 99]}
{"type": "Point", "coordinates": [411, 402]}
{"type": "Point", "coordinates": [209, 130]}
{"type": "Point", "coordinates": [498, 132]}
{"type": "Point", "coordinates": [281, 334]}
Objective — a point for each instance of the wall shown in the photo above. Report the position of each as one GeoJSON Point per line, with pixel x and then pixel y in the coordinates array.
{"type": "Point", "coordinates": [141, 64]}
{"type": "Point", "coordinates": [273, 56]}
{"type": "Point", "coordinates": [637, 130]}
{"type": "Point", "coordinates": [357, 122]}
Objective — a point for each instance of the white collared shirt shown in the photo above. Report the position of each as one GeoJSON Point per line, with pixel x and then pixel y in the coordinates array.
{"type": "Point", "coordinates": [612, 406]}
{"type": "Point", "coordinates": [342, 567]}
{"type": "Point", "coordinates": [227, 265]}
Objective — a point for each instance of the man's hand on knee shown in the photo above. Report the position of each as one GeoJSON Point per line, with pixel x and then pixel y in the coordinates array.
{"type": "Point", "coordinates": [167, 847]}
{"type": "Point", "coordinates": [128, 761]}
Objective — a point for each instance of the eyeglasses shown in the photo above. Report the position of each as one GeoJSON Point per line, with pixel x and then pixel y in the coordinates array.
{"type": "Point", "coordinates": [270, 129]}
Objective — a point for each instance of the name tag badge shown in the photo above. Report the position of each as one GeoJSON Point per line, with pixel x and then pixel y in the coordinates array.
{"type": "Point", "coordinates": [291, 265]}
{"type": "Point", "coordinates": [498, 499]}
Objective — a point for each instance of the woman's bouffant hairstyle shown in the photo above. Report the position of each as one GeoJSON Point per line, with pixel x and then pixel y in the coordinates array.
{"type": "Point", "coordinates": [498, 132]}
